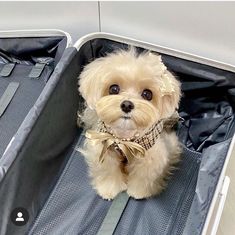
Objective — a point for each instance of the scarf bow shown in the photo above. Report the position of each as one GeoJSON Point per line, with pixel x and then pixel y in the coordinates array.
{"type": "Point", "coordinates": [127, 148]}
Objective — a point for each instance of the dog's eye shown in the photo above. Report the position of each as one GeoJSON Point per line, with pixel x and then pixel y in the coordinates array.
{"type": "Point", "coordinates": [114, 89]}
{"type": "Point", "coordinates": [147, 94]}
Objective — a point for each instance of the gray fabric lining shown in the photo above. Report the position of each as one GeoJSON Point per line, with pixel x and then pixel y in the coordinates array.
{"type": "Point", "coordinates": [208, 177]}
{"type": "Point", "coordinates": [74, 207]}
{"type": "Point", "coordinates": [26, 50]}
{"type": "Point", "coordinates": [23, 53]}
{"type": "Point", "coordinates": [26, 95]}
{"type": "Point", "coordinates": [40, 145]}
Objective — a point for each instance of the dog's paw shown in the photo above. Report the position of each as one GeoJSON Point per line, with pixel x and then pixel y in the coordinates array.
{"type": "Point", "coordinates": [139, 194]}
{"type": "Point", "coordinates": [110, 191]}
{"type": "Point", "coordinates": [144, 191]}
{"type": "Point", "coordinates": [107, 195]}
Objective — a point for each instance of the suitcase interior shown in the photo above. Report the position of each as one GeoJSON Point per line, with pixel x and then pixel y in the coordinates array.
{"type": "Point", "coordinates": [49, 177]}
{"type": "Point", "coordinates": [25, 52]}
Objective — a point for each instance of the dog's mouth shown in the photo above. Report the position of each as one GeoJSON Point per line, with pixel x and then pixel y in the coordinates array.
{"type": "Point", "coordinates": [126, 117]}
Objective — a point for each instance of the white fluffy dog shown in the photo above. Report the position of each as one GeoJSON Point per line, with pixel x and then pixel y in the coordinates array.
{"type": "Point", "coordinates": [131, 105]}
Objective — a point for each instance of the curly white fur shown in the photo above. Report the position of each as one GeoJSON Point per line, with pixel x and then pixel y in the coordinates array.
{"type": "Point", "coordinates": [133, 73]}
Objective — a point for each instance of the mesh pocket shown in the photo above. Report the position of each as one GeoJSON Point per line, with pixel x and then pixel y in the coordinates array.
{"type": "Point", "coordinates": [74, 208]}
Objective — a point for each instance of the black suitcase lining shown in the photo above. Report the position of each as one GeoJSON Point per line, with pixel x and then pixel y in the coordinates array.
{"type": "Point", "coordinates": [25, 53]}
{"type": "Point", "coordinates": [69, 201]}
{"type": "Point", "coordinates": [170, 213]}
{"type": "Point", "coordinates": [74, 196]}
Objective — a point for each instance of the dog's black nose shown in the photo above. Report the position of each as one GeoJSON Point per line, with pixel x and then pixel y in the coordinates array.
{"type": "Point", "coordinates": [127, 106]}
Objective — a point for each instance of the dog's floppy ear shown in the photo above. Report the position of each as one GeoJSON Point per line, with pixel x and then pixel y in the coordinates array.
{"type": "Point", "coordinates": [169, 86]}
{"type": "Point", "coordinates": [170, 92]}
{"type": "Point", "coordinates": [90, 82]}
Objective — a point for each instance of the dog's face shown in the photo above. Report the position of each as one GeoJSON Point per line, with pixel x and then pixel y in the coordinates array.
{"type": "Point", "coordinates": [129, 92]}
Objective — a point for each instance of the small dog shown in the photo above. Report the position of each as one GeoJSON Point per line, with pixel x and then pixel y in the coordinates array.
{"type": "Point", "coordinates": [131, 105]}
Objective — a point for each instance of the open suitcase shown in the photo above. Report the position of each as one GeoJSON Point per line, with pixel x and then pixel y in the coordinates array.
{"type": "Point", "coordinates": [27, 60]}
{"type": "Point", "coordinates": [48, 177]}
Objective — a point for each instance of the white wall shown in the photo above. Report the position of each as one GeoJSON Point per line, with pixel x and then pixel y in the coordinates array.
{"type": "Point", "coordinates": [77, 18]}
{"type": "Point", "coordinates": [202, 28]}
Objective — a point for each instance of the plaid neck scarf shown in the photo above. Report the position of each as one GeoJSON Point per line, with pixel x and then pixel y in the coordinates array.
{"type": "Point", "coordinates": [131, 147]}
{"type": "Point", "coordinates": [150, 137]}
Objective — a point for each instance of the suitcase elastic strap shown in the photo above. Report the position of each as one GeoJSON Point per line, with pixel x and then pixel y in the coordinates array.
{"type": "Point", "coordinates": [8, 96]}
{"type": "Point", "coordinates": [37, 70]}
{"type": "Point", "coordinates": [114, 214]}
{"type": "Point", "coordinates": [7, 69]}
